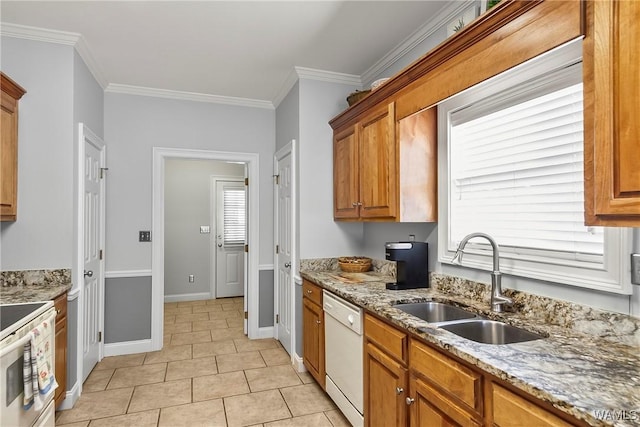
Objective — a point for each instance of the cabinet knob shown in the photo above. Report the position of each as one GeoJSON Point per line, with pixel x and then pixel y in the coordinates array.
{"type": "Point", "coordinates": [58, 311]}
{"type": "Point", "coordinates": [309, 291]}
{"type": "Point", "coordinates": [399, 390]}
{"type": "Point", "coordinates": [318, 321]}
{"type": "Point", "coordinates": [354, 204]}
{"type": "Point", "coordinates": [410, 400]}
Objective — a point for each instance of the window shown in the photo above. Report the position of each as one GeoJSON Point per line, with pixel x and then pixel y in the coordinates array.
{"type": "Point", "coordinates": [234, 216]}
{"type": "Point", "coordinates": [515, 171]}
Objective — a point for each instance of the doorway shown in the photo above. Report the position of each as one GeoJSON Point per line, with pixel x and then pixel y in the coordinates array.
{"type": "Point", "coordinates": [160, 156]}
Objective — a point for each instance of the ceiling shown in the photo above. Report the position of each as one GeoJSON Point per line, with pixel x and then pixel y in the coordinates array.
{"type": "Point", "coordinates": [244, 49]}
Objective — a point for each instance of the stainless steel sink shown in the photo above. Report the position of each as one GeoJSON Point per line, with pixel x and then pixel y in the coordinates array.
{"type": "Point", "coordinates": [436, 312]}
{"type": "Point", "coordinates": [490, 332]}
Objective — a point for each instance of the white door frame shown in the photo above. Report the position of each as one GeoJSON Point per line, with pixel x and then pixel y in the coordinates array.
{"type": "Point", "coordinates": [290, 148]}
{"type": "Point", "coordinates": [157, 228]}
{"type": "Point", "coordinates": [84, 133]}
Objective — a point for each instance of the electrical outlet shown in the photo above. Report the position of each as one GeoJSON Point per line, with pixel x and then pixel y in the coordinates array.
{"type": "Point", "coordinates": [144, 236]}
{"type": "Point", "coordinates": [635, 269]}
{"type": "Point", "coordinates": [192, 278]}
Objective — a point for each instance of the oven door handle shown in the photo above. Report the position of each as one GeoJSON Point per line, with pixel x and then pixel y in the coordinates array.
{"type": "Point", "coordinates": [20, 343]}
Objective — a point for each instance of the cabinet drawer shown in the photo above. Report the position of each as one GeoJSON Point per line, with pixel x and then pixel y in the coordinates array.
{"type": "Point", "coordinates": [511, 410]}
{"type": "Point", "coordinates": [458, 380]}
{"type": "Point", "coordinates": [60, 304]}
{"type": "Point", "coordinates": [392, 340]}
{"type": "Point", "coordinates": [311, 291]}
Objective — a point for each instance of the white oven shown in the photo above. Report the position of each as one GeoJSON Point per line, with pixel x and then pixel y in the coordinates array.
{"type": "Point", "coordinates": [17, 321]}
{"type": "Point", "coordinates": [343, 356]}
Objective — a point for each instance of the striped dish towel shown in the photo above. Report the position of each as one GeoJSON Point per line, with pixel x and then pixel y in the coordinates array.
{"type": "Point", "coordinates": [38, 364]}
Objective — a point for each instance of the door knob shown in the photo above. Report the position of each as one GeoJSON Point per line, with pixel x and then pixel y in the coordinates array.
{"type": "Point", "coordinates": [287, 265]}
{"type": "Point", "coordinates": [88, 273]}
{"type": "Point", "coordinates": [219, 245]}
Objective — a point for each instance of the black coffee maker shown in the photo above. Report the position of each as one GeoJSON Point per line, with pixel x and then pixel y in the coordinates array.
{"type": "Point", "coordinates": [413, 267]}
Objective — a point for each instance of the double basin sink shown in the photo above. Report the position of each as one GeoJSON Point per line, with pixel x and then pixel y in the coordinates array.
{"type": "Point", "coordinates": [466, 324]}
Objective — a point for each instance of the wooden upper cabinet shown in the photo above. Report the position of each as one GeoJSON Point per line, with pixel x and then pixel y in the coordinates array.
{"type": "Point", "coordinates": [377, 158]}
{"type": "Point", "coordinates": [612, 107]}
{"type": "Point", "coordinates": [11, 93]}
{"type": "Point", "coordinates": [345, 174]}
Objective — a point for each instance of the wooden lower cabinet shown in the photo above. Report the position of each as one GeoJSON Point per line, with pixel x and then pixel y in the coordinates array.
{"type": "Point", "coordinates": [60, 305]}
{"type": "Point", "coordinates": [313, 331]}
{"type": "Point", "coordinates": [386, 389]}
{"type": "Point", "coordinates": [408, 382]}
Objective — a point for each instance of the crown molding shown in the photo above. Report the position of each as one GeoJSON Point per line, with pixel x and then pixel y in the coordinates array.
{"type": "Point", "coordinates": [298, 73]}
{"type": "Point", "coordinates": [443, 17]}
{"type": "Point", "coordinates": [58, 37]}
{"type": "Point", "coordinates": [187, 96]}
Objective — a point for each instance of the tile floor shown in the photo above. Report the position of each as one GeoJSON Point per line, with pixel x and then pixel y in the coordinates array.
{"type": "Point", "coordinates": [207, 374]}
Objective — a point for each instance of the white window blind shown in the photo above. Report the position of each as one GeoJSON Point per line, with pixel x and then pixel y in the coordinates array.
{"type": "Point", "coordinates": [516, 172]}
{"type": "Point", "coordinates": [234, 216]}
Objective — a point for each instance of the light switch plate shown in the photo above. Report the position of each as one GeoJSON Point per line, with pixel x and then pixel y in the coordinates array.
{"type": "Point", "coordinates": [205, 229]}
{"type": "Point", "coordinates": [635, 269]}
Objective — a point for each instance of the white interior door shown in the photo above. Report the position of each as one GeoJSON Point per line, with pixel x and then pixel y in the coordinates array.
{"type": "Point", "coordinates": [284, 255]}
{"type": "Point", "coordinates": [93, 238]}
{"type": "Point", "coordinates": [231, 228]}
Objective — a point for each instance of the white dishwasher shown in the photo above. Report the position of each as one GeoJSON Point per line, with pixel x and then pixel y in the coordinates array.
{"type": "Point", "coordinates": [343, 356]}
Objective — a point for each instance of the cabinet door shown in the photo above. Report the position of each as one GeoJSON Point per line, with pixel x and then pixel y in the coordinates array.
{"type": "Point", "coordinates": [8, 156]}
{"type": "Point", "coordinates": [60, 363]}
{"type": "Point", "coordinates": [386, 388]}
{"type": "Point", "coordinates": [345, 174]}
{"type": "Point", "coordinates": [430, 408]}
{"type": "Point", "coordinates": [313, 339]}
{"type": "Point", "coordinates": [612, 106]}
{"type": "Point", "coordinates": [511, 410]}
{"type": "Point", "coordinates": [377, 163]}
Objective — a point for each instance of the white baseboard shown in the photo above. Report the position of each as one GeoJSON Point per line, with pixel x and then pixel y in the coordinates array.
{"type": "Point", "coordinates": [187, 297]}
{"type": "Point", "coordinates": [298, 363]}
{"type": "Point", "coordinates": [265, 332]}
{"type": "Point", "coordinates": [70, 398]}
{"type": "Point", "coordinates": [127, 347]}
{"type": "Point", "coordinates": [114, 274]}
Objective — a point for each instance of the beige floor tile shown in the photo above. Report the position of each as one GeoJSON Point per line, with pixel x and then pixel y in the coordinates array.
{"type": "Point", "coordinates": [253, 345]}
{"type": "Point", "coordinates": [169, 319]}
{"type": "Point", "coordinates": [254, 408]}
{"type": "Point", "coordinates": [178, 310]}
{"type": "Point", "coordinates": [208, 325]}
{"type": "Point", "coordinates": [306, 377]}
{"type": "Point", "coordinates": [306, 399]}
{"type": "Point", "coordinates": [229, 307]}
{"type": "Point", "coordinates": [220, 385]}
{"type": "Point", "coordinates": [271, 377]}
{"type": "Point", "coordinates": [114, 362]}
{"type": "Point", "coordinates": [337, 419]}
{"type": "Point", "coordinates": [97, 380]}
{"type": "Point", "coordinates": [190, 338]}
{"type": "Point", "coordinates": [137, 419]}
{"type": "Point", "coordinates": [169, 354]}
{"type": "Point", "coordinates": [152, 396]}
{"type": "Point", "coordinates": [191, 368]}
{"type": "Point", "coordinates": [207, 308]}
{"type": "Point", "coordinates": [209, 413]}
{"type": "Point", "coordinates": [138, 375]}
{"type": "Point", "coordinates": [191, 303]}
{"type": "Point", "coordinates": [214, 302]}
{"type": "Point", "coordinates": [78, 424]}
{"type": "Point", "coordinates": [226, 334]}
{"type": "Point", "coordinates": [233, 362]}
{"type": "Point", "coordinates": [276, 356]}
{"type": "Point", "coordinates": [170, 304]}
{"type": "Point", "coordinates": [213, 348]}
{"type": "Point", "coordinates": [177, 328]}
{"type": "Point", "coordinates": [166, 340]}
{"type": "Point", "coordinates": [191, 317]}
{"type": "Point", "coordinates": [213, 315]}
{"type": "Point", "coordinates": [98, 404]}
{"type": "Point", "coordinates": [235, 322]}
{"type": "Point", "coordinates": [313, 420]}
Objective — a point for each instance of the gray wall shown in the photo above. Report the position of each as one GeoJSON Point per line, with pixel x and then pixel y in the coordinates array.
{"type": "Point", "coordinates": [187, 206]}
{"type": "Point", "coordinates": [288, 118]}
{"type": "Point", "coordinates": [265, 298]}
{"type": "Point", "coordinates": [42, 237]}
{"type": "Point", "coordinates": [136, 124]}
{"type": "Point", "coordinates": [127, 314]}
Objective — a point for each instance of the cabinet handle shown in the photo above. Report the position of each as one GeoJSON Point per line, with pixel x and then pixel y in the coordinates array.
{"type": "Point", "coordinates": [58, 311]}
{"type": "Point", "coordinates": [399, 390]}
{"type": "Point", "coordinates": [309, 291]}
{"type": "Point", "coordinates": [359, 204]}
{"type": "Point", "coordinates": [409, 400]}
{"type": "Point", "coordinates": [318, 322]}
{"type": "Point", "coordinates": [354, 204]}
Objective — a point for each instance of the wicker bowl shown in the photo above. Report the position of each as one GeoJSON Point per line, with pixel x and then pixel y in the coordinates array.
{"type": "Point", "coordinates": [354, 264]}
{"type": "Point", "coordinates": [357, 96]}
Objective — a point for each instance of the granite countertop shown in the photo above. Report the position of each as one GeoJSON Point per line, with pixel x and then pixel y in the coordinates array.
{"type": "Point", "coordinates": [577, 373]}
{"type": "Point", "coordinates": [33, 285]}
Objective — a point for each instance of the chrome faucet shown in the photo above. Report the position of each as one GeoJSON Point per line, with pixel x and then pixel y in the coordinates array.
{"type": "Point", "coordinates": [497, 299]}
